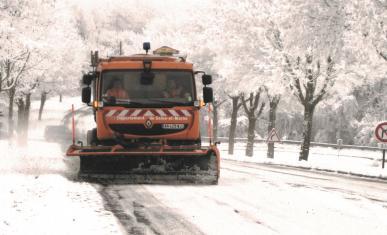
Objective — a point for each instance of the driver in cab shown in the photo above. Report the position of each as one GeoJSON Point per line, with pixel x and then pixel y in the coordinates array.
{"type": "Point", "coordinates": [173, 90]}
{"type": "Point", "coordinates": [116, 90]}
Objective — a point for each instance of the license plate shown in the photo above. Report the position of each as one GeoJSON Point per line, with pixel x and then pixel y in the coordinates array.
{"type": "Point", "coordinates": [173, 126]}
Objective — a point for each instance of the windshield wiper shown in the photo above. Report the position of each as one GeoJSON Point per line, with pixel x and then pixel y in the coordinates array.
{"type": "Point", "coordinates": [122, 102]}
{"type": "Point", "coordinates": [169, 101]}
{"type": "Point", "coordinates": [129, 102]}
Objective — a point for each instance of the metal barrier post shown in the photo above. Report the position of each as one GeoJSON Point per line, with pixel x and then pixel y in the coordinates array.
{"type": "Point", "coordinates": [339, 144]}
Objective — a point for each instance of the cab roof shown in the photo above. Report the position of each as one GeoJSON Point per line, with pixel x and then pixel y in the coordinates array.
{"type": "Point", "coordinates": [136, 62]}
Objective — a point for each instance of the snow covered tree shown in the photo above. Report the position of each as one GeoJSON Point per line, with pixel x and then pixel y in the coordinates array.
{"type": "Point", "coordinates": [310, 86]}
{"type": "Point", "coordinates": [273, 105]}
{"type": "Point", "coordinates": [367, 24]}
{"type": "Point", "coordinates": [215, 112]}
{"type": "Point", "coordinates": [236, 104]}
{"type": "Point", "coordinates": [61, 73]}
{"type": "Point", "coordinates": [253, 110]}
{"type": "Point", "coordinates": [31, 55]}
{"type": "Point", "coordinates": [14, 51]}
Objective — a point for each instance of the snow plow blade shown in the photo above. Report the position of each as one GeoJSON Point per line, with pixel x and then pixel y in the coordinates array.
{"type": "Point", "coordinates": [168, 165]}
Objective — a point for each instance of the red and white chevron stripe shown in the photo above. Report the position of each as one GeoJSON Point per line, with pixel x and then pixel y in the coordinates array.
{"type": "Point", "coordinates": [149, 113]}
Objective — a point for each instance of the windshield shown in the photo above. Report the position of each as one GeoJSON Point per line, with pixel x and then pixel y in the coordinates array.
{"type": "Point", "coordinates": [167, 87]}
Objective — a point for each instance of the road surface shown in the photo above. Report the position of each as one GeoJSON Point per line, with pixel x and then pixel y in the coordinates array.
{"type": "Point", "coordinates": [253, 199]}
{"type": "Point", "coordinates": [39, 195]}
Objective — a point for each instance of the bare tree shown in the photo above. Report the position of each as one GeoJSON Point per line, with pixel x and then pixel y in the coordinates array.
{"type": "Point", "coordinates": [305, 91]}
{"type": "Point", "coordinates": [10, 72]}
{"type": "Point", "coordinates": [236, 104]}
{"type": "Point", "coordinates": [253, 112]}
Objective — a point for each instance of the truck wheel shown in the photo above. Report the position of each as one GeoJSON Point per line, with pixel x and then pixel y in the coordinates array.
{"type": "Point", "coordinates": [92, 137]}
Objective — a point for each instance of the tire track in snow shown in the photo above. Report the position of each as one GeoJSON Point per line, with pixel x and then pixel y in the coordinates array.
{"type": "Point", "coordinates": [139, 212]}
{"type": "Point", "coordinates": [351, 187]}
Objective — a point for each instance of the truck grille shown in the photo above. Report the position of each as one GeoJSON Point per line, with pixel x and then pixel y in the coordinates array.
{"type": "Point", "coordinates": [139, 129]}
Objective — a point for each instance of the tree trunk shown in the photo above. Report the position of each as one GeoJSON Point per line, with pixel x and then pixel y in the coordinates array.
{"type": "Point", "coordinates": [251, 136]}
{"type": "Point", "coordinates": [252, 117]}
{"type": "Point", "coordinates": [234, 116]}
{"type": "Point", "coordinates": [27, 109]}
{"type": "Point", "coordinates": [60, 97]}
{"type": "Point", "coordinates": [20, 116]}
{"type": "Point", "coordinates": [43, 97]}
{"type": "Point", "coordinates": [11, 99]}
{"type": "Point", "coordinates": [23, 118]}
{"type": "Point", "coordinates": [272, 119]}
{"type": "Point", "coordinates": [307, 133]}
{"type": "Point", "coordinates": [270, 150]}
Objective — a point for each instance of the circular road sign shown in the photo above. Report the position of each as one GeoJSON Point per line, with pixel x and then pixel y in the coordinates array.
{"type": "Point", "coordinates": [381, 132]}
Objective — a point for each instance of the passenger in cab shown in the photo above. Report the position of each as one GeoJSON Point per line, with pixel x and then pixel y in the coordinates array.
{"type": "Point", "coordinates": [173, 90]}
{"type": "Point", "coordinates": [117, 90]}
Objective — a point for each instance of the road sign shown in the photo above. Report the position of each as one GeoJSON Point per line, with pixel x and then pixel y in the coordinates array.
{"type": "Point", "coordinates": [273, 137]}
{"type": "Point", "coordinates": [381, 132]}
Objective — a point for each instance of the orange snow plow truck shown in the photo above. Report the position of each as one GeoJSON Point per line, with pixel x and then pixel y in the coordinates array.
{"type": "Point", "coordinates": [147, 120]}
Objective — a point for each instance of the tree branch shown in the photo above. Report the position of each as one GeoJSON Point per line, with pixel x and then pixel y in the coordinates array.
{"type": "Point", "coordinates": [14, 80]}
{"type": "Point", "coordinates": [328, 79]}
{"type": "Point", "coordinates": [383, 55]}
{"type": "Point", "coordinates": [245, 105]}
{"type": "Point", "coordinates": [296, 80]}
{"type": "Point", "coordinates": [261, 109]}
{"type": "Point", "coordinates": [218, 104]}
{"type": "Point", "coordinates": [256, 100]}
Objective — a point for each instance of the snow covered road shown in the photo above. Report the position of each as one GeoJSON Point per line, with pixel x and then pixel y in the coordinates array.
{"type": "Point", "coordinates": [250, 199]}
{"type": "Point", "coordinates": [254, 199]}
{"type": "Point", "coordinates": [40, 195]}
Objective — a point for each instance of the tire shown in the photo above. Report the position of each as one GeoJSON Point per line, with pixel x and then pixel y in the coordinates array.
{"type": "Point", "coordinates": [92, 139]}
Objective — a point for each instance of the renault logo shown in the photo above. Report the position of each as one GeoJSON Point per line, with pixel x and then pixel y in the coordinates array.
{"type": "Point", "coordinates": [148, 124]}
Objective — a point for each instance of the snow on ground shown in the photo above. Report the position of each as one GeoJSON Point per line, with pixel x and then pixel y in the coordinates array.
{"type": "Point", "coordinates": [37, 195]}
{"type": "Point", "coordinates": [348, 161]}
{"type": "Point", "coordinates": [259, 199]}
{"type": "Point", "coordinates": [51, 204]}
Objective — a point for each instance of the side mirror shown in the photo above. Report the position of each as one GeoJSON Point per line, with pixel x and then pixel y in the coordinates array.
{"type": "Point", "coordinates": [88, 78]}
{"type": "Point", "coordinates": [206, 79]}
{"type": "Point", "coordinates": [208, 95]}
{"type": "Point", "coordinates": [86, 95]}
{"type": "Point", "coordinates": [146, 46]}
{"type": "Point", "coordinates": [147, 78]}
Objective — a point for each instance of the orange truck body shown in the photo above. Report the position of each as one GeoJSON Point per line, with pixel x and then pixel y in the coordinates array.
{"type": "Point", "coordinates": [149, 124]}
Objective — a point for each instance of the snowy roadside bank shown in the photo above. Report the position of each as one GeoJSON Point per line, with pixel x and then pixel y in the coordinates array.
{"type": "Point", "coordinates": [361, 163]}
{"type": "Point", "coordinates": [38, 195]}
{"type": "Point", "coordinates": [51, 204]}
